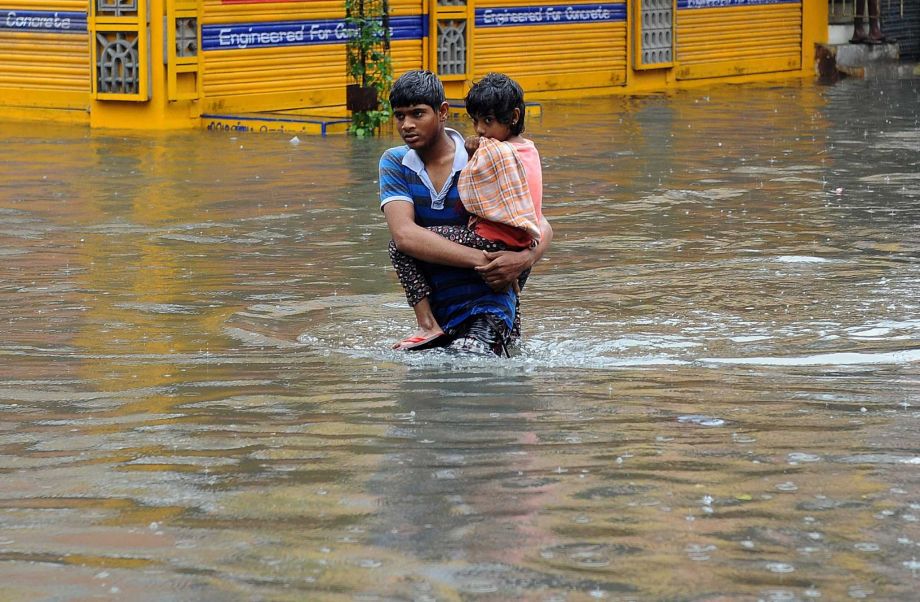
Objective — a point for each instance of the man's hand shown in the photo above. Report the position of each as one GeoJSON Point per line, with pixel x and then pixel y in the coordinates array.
{"type": "Point", "coordinates": [504, 267]}
{"type": "Point", "coordinates": [471, 143]}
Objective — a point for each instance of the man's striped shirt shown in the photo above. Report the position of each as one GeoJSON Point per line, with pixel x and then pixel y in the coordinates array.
{"type": "Point", "coordinates": [457, 293]}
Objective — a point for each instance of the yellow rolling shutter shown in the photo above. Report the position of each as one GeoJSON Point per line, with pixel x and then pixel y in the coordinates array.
{"type": "Point", "coordinates": [44, 54]}
{"type": "Point", "coordinates": [548, 46]}
{"type": "Point", "coordinates": [276, 55]}
{"type": "Point", "coordinates": [407, 51]}
{"type": "Point", "coordinates": [265, 55]}
{"type": "Point", "coordinates": [745, 37]}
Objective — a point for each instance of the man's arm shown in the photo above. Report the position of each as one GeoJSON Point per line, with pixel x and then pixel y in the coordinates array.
{"type": "Point", "coordinates": [423, 244]}
{"type": "Point", "coordinates": [504, 267]}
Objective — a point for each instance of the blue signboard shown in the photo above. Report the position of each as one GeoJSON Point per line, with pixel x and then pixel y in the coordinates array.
{"type": "Point", "coordinates": [685, 4]}
{"type": "Point", "coordinates": [239, 36]}
{"type": "Point", "coordinates": [42, 21]}
{"type": "Point", "coordinates": [563, 14]}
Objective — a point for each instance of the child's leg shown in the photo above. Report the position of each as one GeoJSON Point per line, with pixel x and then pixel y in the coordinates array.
{"type": "Point", "coordinates": [466, 237]}
{"type": "Point", "coordinates": [417, 287]}
{"type": "Point", "coordinates": [410, 275]}
{"type": "Point", "coordinates": [417, 290]}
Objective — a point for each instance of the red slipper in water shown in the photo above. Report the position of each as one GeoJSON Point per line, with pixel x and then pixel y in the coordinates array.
{"type": "Point", "coordinates": [417, 343]}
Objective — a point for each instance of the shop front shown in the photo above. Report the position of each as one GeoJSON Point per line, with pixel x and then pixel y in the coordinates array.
{"type": "Point", "coordinates": [163, 64]}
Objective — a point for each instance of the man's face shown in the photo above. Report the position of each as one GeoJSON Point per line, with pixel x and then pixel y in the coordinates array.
{"type": "Point", "coordinates": [419, 125]}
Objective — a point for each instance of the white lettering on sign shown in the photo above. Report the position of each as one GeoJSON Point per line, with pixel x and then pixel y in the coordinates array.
{"type": "Point", "coordinates": [55, 21]}
{"type": "Point", "coordinates": [544, 14]}
{"type": "Point", "coordinates": [592, 14]}
{"type": "Point", "coordinates": [493, 17]}
{"type": "Point", "coordinates": [724, 3]}
{"type": "Point", "coordinates": [326, 32]}
{"type": "Point", "coordinates": [243, 39]}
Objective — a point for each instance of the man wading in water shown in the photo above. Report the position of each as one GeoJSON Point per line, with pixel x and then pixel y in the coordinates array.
{"type": "Point", "coordinates": [472, 297]}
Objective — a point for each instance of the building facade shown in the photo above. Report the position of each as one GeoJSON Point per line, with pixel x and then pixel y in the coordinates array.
{"type": "Point", "coordinates": [163, 64]}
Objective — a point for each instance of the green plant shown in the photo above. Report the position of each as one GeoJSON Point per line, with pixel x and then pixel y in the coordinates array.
{"type": "Point", "coordinates": [368, 63]}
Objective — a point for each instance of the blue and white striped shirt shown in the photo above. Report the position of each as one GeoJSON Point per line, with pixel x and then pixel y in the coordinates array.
{"type": "Point", "coordinates": [457, 293]}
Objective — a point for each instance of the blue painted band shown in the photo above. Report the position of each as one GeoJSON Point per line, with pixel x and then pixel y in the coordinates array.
{"type": "Point", "coordinates": [562, 14]}
{"type": "Point", "coordinates": [690, 4]}
{"type": "Point", "coordinates": [239, 36]}
{"type": "Point", "coordinates": [43, 21]}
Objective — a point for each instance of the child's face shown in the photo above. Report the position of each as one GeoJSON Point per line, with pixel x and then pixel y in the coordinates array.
{"type": "Point", "coordinates": [488, 126]}
{"type": "Point", "coordinates": [419, 125]}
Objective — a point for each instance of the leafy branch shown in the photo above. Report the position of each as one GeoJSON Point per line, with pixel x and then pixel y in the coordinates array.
{"type": "Point", "coordinates": [368, 63]}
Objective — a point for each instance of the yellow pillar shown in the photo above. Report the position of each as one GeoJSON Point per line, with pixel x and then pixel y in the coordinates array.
{"type": "Point", "coordinates": [165, 78]}
{"type": "Point", "coordinates": [814, 31]}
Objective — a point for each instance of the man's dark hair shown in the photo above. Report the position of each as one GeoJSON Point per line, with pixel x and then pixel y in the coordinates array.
{"type": "Point", "coordinates": [417, 88]}
{"type": "Point", "coordinates": [499, 95]}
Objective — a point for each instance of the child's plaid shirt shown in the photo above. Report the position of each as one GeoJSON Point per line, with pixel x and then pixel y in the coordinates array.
{"type": "Point", "coordinates": [493, 186]}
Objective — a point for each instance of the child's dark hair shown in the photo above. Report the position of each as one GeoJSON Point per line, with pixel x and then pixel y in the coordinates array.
{"type": "Point", "coordinates": [499, 95]}
{"type": "Point", "coordinates": [417, 88]}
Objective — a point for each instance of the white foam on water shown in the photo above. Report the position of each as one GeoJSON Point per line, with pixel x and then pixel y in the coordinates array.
{"type": "Point", "coordinates": [749, 338]}
{"type": "Point", "coordinates": [315, 326]}
{"type": "Point", "coordinates": [871, 333]}
{"type": "Point", "coordinates": [701, 420]}
{"type": "Point", "coordinates": [532, 356]}
{"type": "Point", "coordinates": [800, 259]}
{"type": "Point", "coordinates": [884, 328]}
{"type": "Point", "coordinates": [906, 356]}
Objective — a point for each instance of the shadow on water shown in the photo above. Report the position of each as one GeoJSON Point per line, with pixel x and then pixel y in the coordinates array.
{"type": "Point", "coordinates": [716, 396]}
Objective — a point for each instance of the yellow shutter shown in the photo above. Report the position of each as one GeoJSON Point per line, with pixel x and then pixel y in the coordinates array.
{"type": "Point", "coordinates": [551, 45]}
{"type": "Point", "coordinates": [755, 37]}
{"type": "Point", "coordinates": [44, 54]}
{"type": "Point", "coordinates": [275, 55]}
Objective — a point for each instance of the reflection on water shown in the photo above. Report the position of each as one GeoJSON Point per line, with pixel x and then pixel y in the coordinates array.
{"type": "Point", "coordinates": [717, 394]}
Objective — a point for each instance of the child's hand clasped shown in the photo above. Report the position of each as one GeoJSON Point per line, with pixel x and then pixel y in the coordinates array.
{"type": "Point", "coordinates": [471, 143]}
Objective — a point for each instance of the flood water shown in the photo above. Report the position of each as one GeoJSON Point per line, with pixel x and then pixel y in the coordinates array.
{"type": "Point", "coordinates": [718, 396]}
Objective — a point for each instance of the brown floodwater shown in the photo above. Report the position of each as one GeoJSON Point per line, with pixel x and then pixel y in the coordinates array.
{"type": "Point", "coordinates": [717, 398]}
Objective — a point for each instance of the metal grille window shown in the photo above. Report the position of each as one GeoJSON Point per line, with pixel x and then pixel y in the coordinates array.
{"type": "Point", "coordinates": [120, 50]}
{"type": "Point", "coordinates": [656, 33]}
{"type": "Point", "coordinates": [181, 50]}
{"type": "Point", "coordinates": [186, 36]}
{"type": "Point", "coordinates": [116, 8]}
{"type": "Point", "coordinates": [118, 63]}
{"type": "Point", "coordinates": [451, 47]}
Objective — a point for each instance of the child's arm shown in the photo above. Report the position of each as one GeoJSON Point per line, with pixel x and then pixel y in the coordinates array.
{"type": "Point", "coordinates": [504, 267]}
